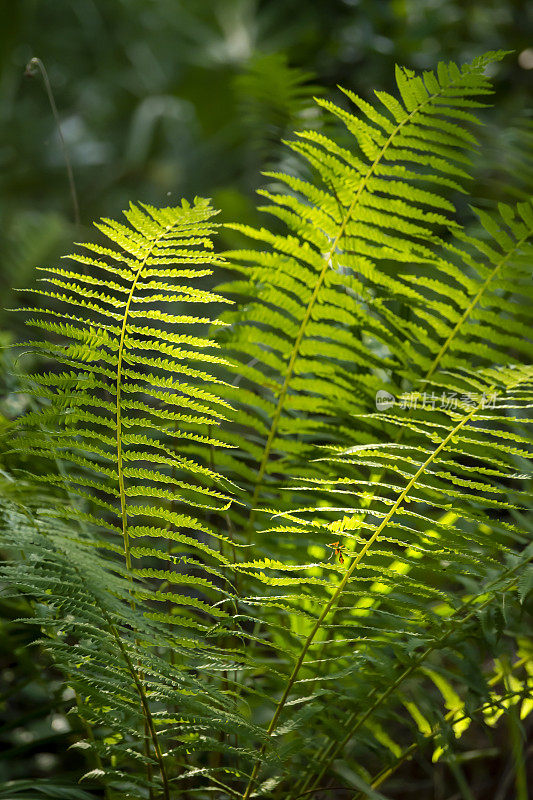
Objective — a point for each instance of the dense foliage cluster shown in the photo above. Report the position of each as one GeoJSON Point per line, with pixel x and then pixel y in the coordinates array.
{"type": "Point", "coordinates": [276, 541]}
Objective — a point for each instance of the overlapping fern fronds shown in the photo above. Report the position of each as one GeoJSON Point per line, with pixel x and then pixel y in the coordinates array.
{"type": "Point", "coordinates": [145, 715]}
{"type": "Point", "coordinates": [411, 312]}
{"type": "Point", "coordinates": [162, 443]}
{"type": "Point", "coordinates": [308, 329]}
{"type": "Point", "coordinates": [438, 509]}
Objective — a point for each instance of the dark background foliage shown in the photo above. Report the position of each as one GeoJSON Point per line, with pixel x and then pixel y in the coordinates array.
{"type": "Point", "coordinates": [153, 104]}
{"type": "Point", "coordinates": [160, 99]}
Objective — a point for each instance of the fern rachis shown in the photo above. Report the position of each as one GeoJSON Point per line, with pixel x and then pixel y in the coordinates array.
{"type": "Point", "coordinates": [403, 497]}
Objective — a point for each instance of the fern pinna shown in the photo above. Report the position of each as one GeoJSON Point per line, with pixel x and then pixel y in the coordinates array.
{"type": "Point", "coordinates": [215, 466]}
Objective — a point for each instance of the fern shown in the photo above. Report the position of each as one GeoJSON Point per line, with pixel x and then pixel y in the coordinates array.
{"type": "Point", "coordinates": [133, 387]}
{"type": "Point", "coordinates": [443, 535]}
{"type": "Point", "coordinates": [135, 377]}
{"type": "Point", "coordinates": [312, 318]}
{"type": "Point", "coordinates": [111, 654]}
{"type": "Point", "coordinates": [198, 470]}
{"type": "Point", "coordinates": [274, 97]}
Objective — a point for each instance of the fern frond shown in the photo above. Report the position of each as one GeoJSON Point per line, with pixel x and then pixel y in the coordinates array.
{"type": "Point", "coordinates": [312, 323]}
{"type": "Point", "coordinates": [113, 423]}
{"type": "Point", "coordinates": [406, 519]}
{"type": "Point", "coordinates": [118, 382]}
{"type": "Point", "coordinates": [110, 653]}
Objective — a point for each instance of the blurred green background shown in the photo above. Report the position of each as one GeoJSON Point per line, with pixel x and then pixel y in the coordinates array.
{"type": "Point", "coordinates": [160, 99]}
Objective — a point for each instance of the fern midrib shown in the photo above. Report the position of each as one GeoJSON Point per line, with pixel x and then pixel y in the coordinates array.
{"type": "Point", "coordinates": [149, 720]}
{"type": "Point", "coordinates": [335, 748]}
{"type": "Point", "coordinates": [475, 300]}
{"type": "Point", "coordinates": [468, 311]}
{"type": "Point", "coordinates": [120, 470]}
{"type": "Point", "coordinates": [312, 300]}
{"type": "Point", "coordinates": [334, 598]}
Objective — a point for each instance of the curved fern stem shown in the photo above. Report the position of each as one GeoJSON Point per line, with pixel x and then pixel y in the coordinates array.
{"type": "Point", "coordinates": [338, 592]}
{"type": "Point", "coordinates": [331, 750]}
{"type": "Point", "coordinates": [312, 300]}
{"type": "Point", "coordinates": [386, 773]}
{"type": "Point", "coordinates": [149, 726]}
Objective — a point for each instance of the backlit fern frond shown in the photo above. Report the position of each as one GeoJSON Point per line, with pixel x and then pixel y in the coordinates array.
{"type": "Point", "coordinates": [128, 326]}
{"type": "Point", "coordinates": [447, 508]}
{"type": "Point", "coordinates": [309, 329]}
{"type": "Point", "coordinates": [135, 382]}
